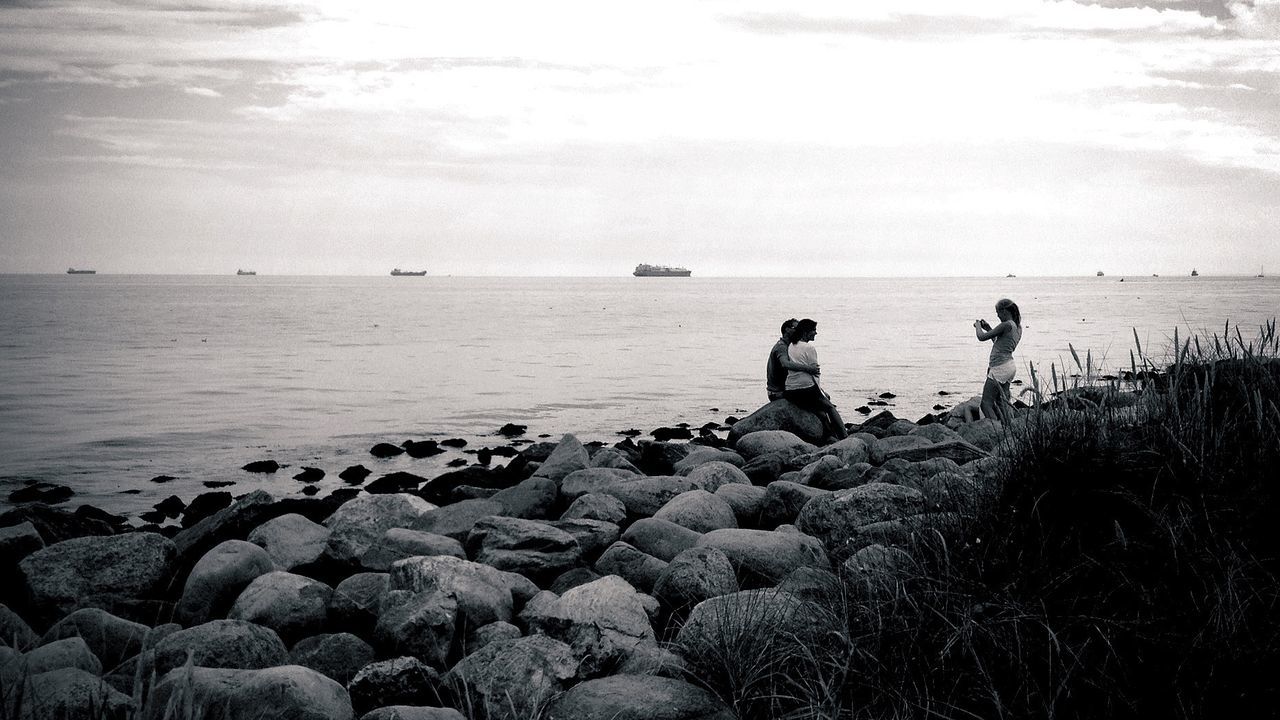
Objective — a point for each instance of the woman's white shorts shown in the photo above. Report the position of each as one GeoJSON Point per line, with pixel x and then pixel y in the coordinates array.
{"type": "Point", "coordinates": [1004, 372]}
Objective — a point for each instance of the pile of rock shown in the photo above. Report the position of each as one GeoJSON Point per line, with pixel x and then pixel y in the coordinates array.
{"type": "Point", "coordinates": [572, 582]}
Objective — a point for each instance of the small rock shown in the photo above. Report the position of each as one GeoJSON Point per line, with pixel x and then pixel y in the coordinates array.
{"type": "Point", "coordinates": [385, 450]}
{"type": "Point", "coordinates": [309, 475]}
{"type": "Point", "coordinates": [262, 466]}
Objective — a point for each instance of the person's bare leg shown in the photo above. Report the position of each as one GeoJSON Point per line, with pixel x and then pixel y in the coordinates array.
{"type": "Point", "coordinates": [835, 423]}
{"type": "Point", "coordinates": [991, 400]}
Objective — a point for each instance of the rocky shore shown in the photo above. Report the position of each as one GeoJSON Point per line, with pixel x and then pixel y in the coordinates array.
{"type": "Point", "coordinates": [572, 581]}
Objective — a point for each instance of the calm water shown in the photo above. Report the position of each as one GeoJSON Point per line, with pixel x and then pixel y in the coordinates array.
{"type": "Point", "coordinates": [109, 381]}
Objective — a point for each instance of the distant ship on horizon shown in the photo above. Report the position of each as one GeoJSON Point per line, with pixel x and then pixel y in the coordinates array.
{"type": "Point", "coordinates": [73, 271]}
{"type": "Point", "coordinates": [646, 270]}
{"type": "Point", "coordinates": [1194, 273]}
{"type": "Point", "coordinates": [397, 272]}
{"type": "Point", "coordinates": [1100, 273]}
{"type": "Point", "coordinates": [246, 272]}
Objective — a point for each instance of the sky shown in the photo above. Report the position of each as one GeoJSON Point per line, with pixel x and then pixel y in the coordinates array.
{"type": "Point", "coordinates": [753, 138]}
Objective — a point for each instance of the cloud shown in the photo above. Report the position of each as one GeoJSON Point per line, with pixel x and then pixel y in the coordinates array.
{"type": "Point", "coordinates": [203, 92]}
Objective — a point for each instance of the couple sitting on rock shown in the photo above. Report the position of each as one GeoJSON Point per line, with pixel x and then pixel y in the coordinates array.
{"type": "Point", "coordinates": [793, 374]}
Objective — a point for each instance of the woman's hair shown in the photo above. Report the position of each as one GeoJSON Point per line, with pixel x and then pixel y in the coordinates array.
{"type": "Point", "coordinates": [1012, 307]}
{"type": "Point", "coordinates": [801, 328]}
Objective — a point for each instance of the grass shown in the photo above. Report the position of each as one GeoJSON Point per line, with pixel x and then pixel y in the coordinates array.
{"type": "Point", "coordinates": [1127, 565]}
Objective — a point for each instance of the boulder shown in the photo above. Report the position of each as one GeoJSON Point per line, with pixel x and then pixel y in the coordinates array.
{"type": "Point", "coordinates": [949, 492]}
{"type": "Point", "coordinates": [695, 575]}
{"type": "Point", "coordinates": [763, 558]}
{"type": "Point", "coordinates": [660, 538]}
{"type": "Point", "coordinates": [646, 495]}
{"type": "Point", "coordinates": [702, 456]}
{"type": "Point", "coordinates": [421, 624]}
{"type": "Point", "coordinates": [111, 639]}
{"type": "Point", "coordinates": [849, 451]}
{"type": "Point", "coordinates": [592, 480]}
{"type": "Point", "coordinates": [660, 457]}
{"type": "Point", "coordinates": [477, 638]}
{"type": "Point", "coordinates": [783, 500]}
{"type": "Point", "coordinates": [483, 594]}
{"type": "Point", "coordinates": [958, 451]}
{"type": "Point", "coordinates": [400, 543]}
{"type": "Point", "coordinates": [401, 680]}
{"type": "Point", "coordinates": [359, 523]}
{"type": "Point", "coordinates": [233, 522]}
{"type": "Point", "coordinates": [290, 692]}
{"type": "Point", "coordinates": [291, 540]}
{"type": "Point", "coordinates": [63, 694]}
{"type": "Point", "coordinates": [613, 458]}
{"type": "Point", "coordinates": [112, 572]}
{"type": "Point", "coordinates": [601, 621]}
{"type": "Point", "coordinates": [936, 432]}
{"type": "Point", "coordinates": [513, 679]}
{"type": "Point", "coordinates": [533, 498]}
{"type": "Point", "coordinates": [533, 549]}
{"type": "Point", "coordinates": [752, 623]}
{"type": "Point", "coordinates": [338, 656]}
{"type": "Point", "coordinates": [412, 712]}
{"type": "Point", "coordinates": [292, 605]}
{"type": "Point", "coordinates": [886, 447]}
{"type": "Point", "coordinates": [778, 416]}
{"type": "Point", "coordinates": [747, 502]}
{"type": "Point", "coordinates": [711, 475]}
{"type": "Point", "coordinates": [55, 524]}
{"type": "Point", "coordinates": [836, 518]}
{"type": "Point", "coordinates": [596, 506]}
{"type": "Point", "coordinates": [699, 511]}
{"type": "Point", "coordinates": [985, 433]}
{"type": "Point", "coordinates": [593, 536]}
{"type": "Point", "coordinates": [218, 578]}
{"type": "Point", "coordinates": [569, 456]}
{"type": "Point", "coordinates": [70, 652]}
{"type": "Point", "coordinates": [457, 519]}
{"type": "Point", "coordinates": [207, 688]}
{"type": "Point", "coordinates": [17, 542]}
{"type": "Point", "coordinates": [764, 442]}
{"type": "Point", "coordinates": [14, 631]}
{"type": "Point", "coordinates": [637, 568]}
{"type": "Point", "coordinates": [638, 697]}
{"type": "Point", "coordinates": [355, 601]}
{"type": "Point", "coordinates": [221, 644]}
{"type": "Point", "coordinates": [656, 661]}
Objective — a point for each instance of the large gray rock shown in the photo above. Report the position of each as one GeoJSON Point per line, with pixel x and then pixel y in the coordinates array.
{"type": "Point", "coordinates": [291, 540]}
{"type": "Point", "coordinates": [699, 511]}
{"type": "Point", "coordinates": [937, 432]}
{"type": "Point", "coordinates": [412, 712]}
{"type": "Point", "coordinates": [233, 522]}
{"type": "Point", "coordinates": [62, 694]}
{"type": "Point", "coordinates": [112, 572]}
{"type": "Point", "coordinates": [783, 501]}
{"type": "Point", "coordinates": [569, 456]}
{"type": "Point", "coordinates": [355, 602]}
{"type": "Point", "coordinates": [764, 442]}
{"type": "Point", "coordinates": [513, 679]}
{"type": "Point", "coordinates": [753, 623]}
{"type": "Point", "coordinates": [221, 644]}
{"type": "Point", "coordinates": [636, 567]}
{"type": "Point", "coordinates": [602, 621]}
{"type": "Point", "coordinates": [596, 506]}
{"type": "Point", "coordinates": [70, 652]}
{"type": "Point", "coordinates": [695, 575]}
{"type": "Point", "coordinates": [638, 697]}
{"type": "Point", "coordinates": [483, 594]}
{"type": "Point", "coordinates": [218, 578]}
{"type": "Point", "coordinates": [593, 480]}
{"type": "Point", "coordinates": [14, 631]}
{"type": "Point", "coordinates": [210, 689]}
{"type": "Point", "coordinates": [701, 456]}
{"type": "Point", "coordinates": [613, 458]}
{"type": "Point", "coordinates": [400, 543]}
{"type": "Point", "coordinates": [660, 538]}
{"type": "Point", "coordinates": [593, 536]}
{"type": "Point", "coordinates": [849, 451]}
{"type": "Point", "coordinates": [887, 447]}
{"type": "Point", "coordinates": [710, 476]}
{"type": "Point", "coordinates": [779, 415]}
{"type": "Point", "coordinates": [763, 558]}
{"type": "Point", "coordinates": [17, 542]}
{"type": "Point", "coordinates": [421, 624]}
{"type": "Point", "coordinates": [360, 522]}
{"type": "Point", "coordinates": [747, 502]}
{"type": "Point", "coordinates": [338, 656]}
{"type": "Point", "coordinates": [835, 519]}
{"type": "Point", "coordinates": [110, 638]}
{"type": "Point", "coordinates": [533, 498]}
{"type": "Point", "coordinates": [290, 692]}
{"type": "Point", "coordinates": [645, 496]}
{"type": "Point", "coordinates": [533, 549]}
{"type": "Point", "coordinates": [986, 433]}
{"type": "Point", "coordinates": [456, 519]}
{"type": "Point", "coordinates": [292, 605]}
{"type": "Point", "coordinates": [398, 681]}
{"type": "Point", "coordinates": [958, 451]}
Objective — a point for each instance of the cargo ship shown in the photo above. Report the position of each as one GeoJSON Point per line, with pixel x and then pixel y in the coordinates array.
{"type": "Point", "coordinates": [73, 271]}
{"type": "Point", "coordinates": [643, 270]}
{"type": "Point", "coordinates": [415, 273]}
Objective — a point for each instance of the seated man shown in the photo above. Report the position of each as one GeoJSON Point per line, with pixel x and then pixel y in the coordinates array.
{"type": "Point", "coordinates": [780, 363]}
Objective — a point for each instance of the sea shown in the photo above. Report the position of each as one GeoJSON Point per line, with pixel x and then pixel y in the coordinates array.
{"type": "Point", "coordinates": [108, 382]}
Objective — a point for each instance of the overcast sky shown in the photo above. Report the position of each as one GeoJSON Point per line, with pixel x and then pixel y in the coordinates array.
{"type": "Point", "coordinates": [912, 137]}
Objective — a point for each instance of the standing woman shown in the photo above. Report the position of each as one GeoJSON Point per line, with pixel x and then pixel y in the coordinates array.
{"type": "Point", "coordinates": [802, 387]}
{"type": "Point", "coordinates": [1000, 368]}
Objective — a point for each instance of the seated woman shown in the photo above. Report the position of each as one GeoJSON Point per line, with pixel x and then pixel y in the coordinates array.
{"type": "Point", "coordinates": [802, 387]}
{"type": "Point", "coordinates": [1000, 367]}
